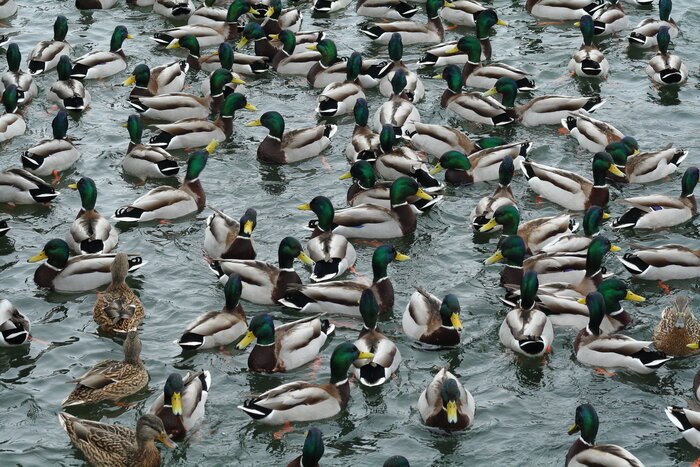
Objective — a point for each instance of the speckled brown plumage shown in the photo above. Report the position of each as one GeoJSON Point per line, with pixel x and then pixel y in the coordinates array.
{"type": "Point", "coordinates": [678, 328]}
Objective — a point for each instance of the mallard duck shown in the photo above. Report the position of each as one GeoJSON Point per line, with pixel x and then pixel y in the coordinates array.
{"type": "Point", "coordinates": [577, 244]}
{"type": "Point", "coordinates": [208, 14]}
{"type": "Point", "coordinates": [414, 89]}
{"type": "Point", "coordinates": [264, 45]}
{"type": "Point", "coordinates": [329, 6]}
{"type": "Point", "coordinates": [446, 404]}
{"type": "Point", "coordinates": [181, 404]}
{"type": "Point", "coordinates": [163, 79]}
{"type": "Point", "coordinates": [398, 111]}
{"type": "Point", "coordinates": [167, 202]}
{"type": "Point", "coordinates": [663, 263]}
{"type": "Point", "coordinates": [54, 155]}
{"type": "Point", "coordinates": [68, 93]}
{"type": "Point", "coordinates": [17, 186]}
{"type": "Point", "coordinates": [503, 196]}
{"type": "Point", "coordinates": [206, 35]}
{"type": "Point", "coordinates": [591, 134]}
{"type": "Point", "coordinates": [174, 9]}
{"type": "Point", "coordinates": [12, 122]}
{"type": "Point", "coordinates": [594, 348]}
{"type": "Point", "coordinates": [431, 321]}
{"type": "Point", "coordinates": [585, 451]}
{"type": "Point", "coordinates": [688, 423]}
{"type": "Point", "coordinates": [339, 98]}
{"type": "Point", "coordinates": [111, 380]}
{"type": "Point", "coordinates": [94, 4]}
{"type": "Point", "coordinates": [4, 228]}
{"type": "Point", "coordinates": [645, 34]}
{"type": "Point", "coordinates": [277, 18]}
{"type": "Point", "coordinates": [393, 162]}
{"type": "Point", "coordinates": [45, 55]}
{"type": "Point", "coordinates": [287, 62]}
{"type": "Point", "coordinates": [678, 328]}
{"type": "Point", "coordinates": [462, 12]}
{"type": "Point", "coordinates": [90, 232]}
{"type": "Point", "coordinates": [118, 308]}
{"type": "Point", "coordinates": [8, 8]}
{"type": "Point", "coordinates": [411, 32]}
{"type": "Point", "coordinates": [331, 69]}
{"type": "Point", "coordinates": [227, 238]}
{"type": "Point", "coordinates": [480, 166]}
{"type": "Point", "coordinates": [665, 68]}
{"type": "Point", "coordinates": [218, 328]}
{"type": "Point", "coordinates": [656, 211]}
{"type": "Point", "coordinates": [313, 450]}
{"type": "Point", "coordinates": [301, 401]}
{"type": "Point", "coordinates": [364, 143]}
{"type": "Point", "coordinates": [22, 79]}
{"type": "Point", "coordinates": [280, 147]}
{"type": "Point", "coordinates": [436, 140]}
{"type": "Point", "coordinates": [264, 283]}
{"type": "Point", "coordinates": [143, 161]}
{"type": "Point", "coordinates": [588, 61]}
{"type": "Point", "coordinates": [644, 167]}
{"type": "Point", "coordinates": [14, 326]}
{"type": "Point", "coordinates": [473, 106]}
{"type": "Point", "coordinates": [285, 347]}
{"type": "Point", "coordinates": [194, 58]}
{"type": "Point", "coordinates": [97, 64]}
{"type": "Point", "coordinates": [610, 19]}
{"type": "Point", "coordinates": [567, 10]}
{"type": "Point", "coordinates": [389, 9]}
{"type": "Point", "coordinates": [237, 63]}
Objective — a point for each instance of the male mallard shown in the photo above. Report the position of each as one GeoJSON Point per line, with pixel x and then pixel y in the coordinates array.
{"type": "Point", "coordinates": [678, 328]}
{"type": "Point", "coordinates": [395, 162]}
{"type": "Point", "coordinates": [51, 156]}
{"type": "Point", "coordinates": [688, 423]}
{"type": "Point", "coordinates": [462, 12]}
{"type": "Point", "coordinates": [118, 308]}
{"type": "Point", "coordinates": [431, 321]}
{"type": "Point", "coordinates": [593, 135]}
{"type": "Point", "coordinates": [68, 93]}
{"type": "Point", "coordinates": [643, 167]}
{"type": "Point", "coordinates": [94, 4]}
{"type": "Point", "coordinates": [174, 9]}
{"type": "Point", "coordinates": [143, 161]}
{"type": "Point", "coordinates": [285, 347]}
{"type": "Point", "coordinates": [473, 106]}
{"type": "Point", "coordinates": [14, 326]}
{"type": "Point", "coordinates": [227, 238]}
{"type": "Point", "coordinates": [610, 19]}
{"type": "Point", "coordinates": [482, 165]}
{"type": "Point", "coordinates": [97, 64]}
{"type": "Point", "coordinates": [414, 89]}
{"type": "Point", "coordinates": [90, 232]}
{"type": "Point", "coordinates": [181, 404]}
{"type": "Point", "coordinates": [585, 452]}
{"type": "Point", "coordinates": [573, 243]}
{"type": "Point", "coordinates": [237, 63]}
{"type": "Point", "coordinates": [503, 196]}
{"type": "Point", "coordinates": [332, 69]}
{"type": "Point", "coordinates": [339, 98]}
{"type": "Point", "coordinates": [662, 263]}
{"type": "Point", "coordinates": [24, 81]}
{"type": "Point", "coordinates": [17, 186]}
{"type": "Point", "coordinates": [562, 10]}
{"type": "Point", "coordinates": [208, 14]}
{"type": "Point", "coordinates": [265, 47]}
{"type": "Point", "coordinates": [312, 451]}
{"type": "Point", "coordinates": [301, 401]}
{"type": "Point", "coordinates": [436, 140]}
{"type": "Point", "coordinates": [665, 68]}
{"type": "Point", "coordinates": [588, 61]}
{"type": "Point", "coordinates": [206, 35]}
{"type": "Point", "coordinates": [286, 62]}
{"type": "Point", "coordinates": [388, 9]}
{"type": "Point", "coordinates": [411, 32]}
{"type": "Point", "coordinates": [645, 34]}
{"type": "Point", "coordinates": [45, 55]}
{"type": "Point", "coordinates": [655, 211]}
{"type": "Point", "coordinates": [277, 18]}
{"type": "Point", "coordinates": [446, 404]}
{"type": "Point", "coordinates": [111, 380]}
{"type": "Point", "coordinates": [280, 147]}
{"type": "Point", "coordinates": [12, 122]}
{"type": "Point", "coordinates": [364, 143]}
{"type": "Point", "coordinates": [163, 79]}
{"type": "Point", "coordinates": [398, 111]}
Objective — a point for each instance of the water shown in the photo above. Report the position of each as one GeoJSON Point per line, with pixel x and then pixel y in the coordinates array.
{"type": "Point", "coordinates": [523, 408]}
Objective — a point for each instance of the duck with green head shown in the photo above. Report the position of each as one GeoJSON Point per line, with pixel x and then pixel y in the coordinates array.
{"type": "Point", "coordinates": [398, 111]}
{"type": "Point", "coordinates": [436, 140]}
{"type": "Point", "coordinates": [68, 93]}
{"type": "Point", "coordinates": [287, 62]}
{"type": "Point", "coordinates": [340, 98]}
{"type": "Point", "coordinates": [90, 232]}
{"type": "Point", "coordinates": [45, 55]}
{"type": "Point", "coordinates": [394, 162]}
{"type": "Point", "coordinates": [26, 86]}
{"type": "Point", "coordinates": [611, 18]}
{"type": "Point", "coordinates": [237, 63]}
{"type": "Point", "coordinates": [227, 238]}
{"type": "Point", "coordinates": [100, 64]}
{"type": "Point", "coordinates": [278, 18]}
{"type": "Point", "coordinates": [364, 143]}
{"type": "Point", "coordinates": [312, 451]}
{"type": "Point", "coordinates": [264, 47]}
{"type": "Point", "coordinates": [163, 79]}
{"type": "Point", "coordinates": [53, 155]}
{"type": "Point", "coordinates": [643, 167]}
{"type": "Point", "coordinates": [144, 161]}
{"type": "Point", "coordinates": [572, 243]}
{"type": "Point", "coordinates": [446, 404]}
{"type": "Point", "coordinates": [666, 68]}
{"type": "Point", "coordinates": [414, 89]}
{"type": "Point", "coordinates": [301, 401]}
{"type": "Point", "coordinates": [644, 35]}
{"type": "Point", "coordinates": [588, 61]}
{"type": "Point", "coordinates": [431, 321]}
{"type": "Point", "coordinates": [206, 35]}
{"type": "Point", "coordinates": [12, 122]}
{"type": "Point", "coordinates": [388, 9]}
{"type": "Point", "coordinates": [484, 210]}
{"type": "Point", "coordinates": [333, 69]}
{"type": "Point", "coordinates": [411, 32]}
{"type": "Point", "coordinates": [181, 404]}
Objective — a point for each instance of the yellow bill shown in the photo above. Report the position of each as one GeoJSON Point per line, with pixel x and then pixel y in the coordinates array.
{"type": "Point", "coordinates": [248, 227]}
{"type": "Point", "coordinates": [494, 258]}
{"type": "Point", "coordinates": [581, 300]}
{"type": "Point", "coordinates": [73, 186]}
{"type": "Point", "coordinates": [173, 45]}
{"type": "Point", "coordinates": [574, 428]}
{"type": "Point", "coordinates": [242, 43]}
{"type": "Point", "coordinates": [423, 195]}
{"type": "Point", "coordinates": [606, 215]}
{"type": "Point", "coordinates": [401, 257]}
{"type": "Point", "coordinates": [453, 50]}
{"type": "Point", "coordinates": [245, 342]}
{"type": "Point", "coordinates": [39, 257]}
{"type": "Point", "coordinates": [129, 36]}
{"type": "Point", "coordinates": [273, 36]}
{"type": "Point", "coordinates": [634, 297]}
{"type": "Point", "coordinates": [304, 207]}
{"type": "Point", "coordinates": [304, 257]}
{"type": "Point", "coordinates": [237, 80]}
{"type": "Point", "coordinates": [438, 76]}
{"type": "Point", "coordinates": [451, 412]}
{"type": "Point", "coordinates": [312, 47]}
{"type": "Point", "coordinates": [365, 355]}
{"type": "Point", "coordinates": [615, 171]}
{"type": "Point", "coordinates": [270, 11]}
{"type": "Point", "coordinates": [489, 225]}
{"type": "Point", "coordinates": [577, 24]}
{"type": "Point", "coordinates": [636, 151]}
{"type": "Point", "coordinates": [211, 146]}
{"type": "Point", "coordinates": [250, 107]}
{"type": "Point", "coordinates": [694, 345]}
{"type": "Point", "coordinates": [449, 5]}
{"type": "Point", "coordinates": [615, 248]}
{"type": "Point", "coordinates": [129, 81]}
{"type": "Point", "coordinates": [456, 323]}
{"type": "Point", "coordinates": [176, 403]}
{"type": "Point", "coordinates": [255, 123]}
{"type": "Point", "coordinates": [436, 169]}
{"type": "Point", "coordinates": [500, 22]}
{"type": "Point", "coordinates": [490, 92]}
{"type": "Point", "coordinates": [345, 176]}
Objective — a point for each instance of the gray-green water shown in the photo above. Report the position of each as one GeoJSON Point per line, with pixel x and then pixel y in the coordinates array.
{"type": "Point", "coordinates": [523, 408]}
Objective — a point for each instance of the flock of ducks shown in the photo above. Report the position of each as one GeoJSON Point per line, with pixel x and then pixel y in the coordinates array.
{"type": "Point", "coordinates": [554, 277]}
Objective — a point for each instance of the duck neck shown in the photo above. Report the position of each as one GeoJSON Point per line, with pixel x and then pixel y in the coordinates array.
{"type": "Point", "coordinates": [195, 186]}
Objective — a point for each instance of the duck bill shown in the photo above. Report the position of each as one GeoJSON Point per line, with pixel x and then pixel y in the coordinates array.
{"type": "Point", "coordinates": [448, 5]}
{"type": "Point", "coordinates": [39, 257]}
{"type": "Point", "coordinates": [494, 258]}
{"type": "Point", "coordinates": [574, 429]}
{"type": "Point", "coordinates": [500, 22]}
{"type": "Point", "coordinates": [129, 81]}
{"type": "Point", "coordinates": [490, 92]}
{"type": "Point", "coordinates": [423, 195]}
{"type": "Point", "coordinates": [248, 227]}
{"type": "Point", "coordinates": [581, 300]}
{"type": "Point", "coordinates": [438, 76]}
{"type": "Point", "coordinates": [304, 207]}
{"type": "Point", "coordinates": [636, 151]}
{"type": "Point", "coordinates": [129, 36]}
{"type": "Point", "coordinates": [615, 248]}
{"type": "Point", "coordinates": [270, 11]}
{"type": "Point", "coordinates": [211, 146]}
{"type": "Point", "coordinates": [345, 176]}
{"type": "Point", "coordinates": [577, 24]}
{"type": "Point", "coordinates": [401, 257]}
{"type": "Point", "coordinates": [245, 342]}
{"type": "Point", "coordinates": [303, 256]}
{"type": "Point", "coordinates": [453, 50]}
{"type": "Point", "coordinates": [236, 80]}
{"type": "Point", "coordinates": [176, 403]}
{"type": "Point", "coordinates": [456, 323]}
{"type": "Point", "coordinates": [489, 225]}
{"type": "Point", "coordinates": [242, 43]}
{"type": "Point", "coordinates": [436, 169]}
{"type": "Point", "coordinates": [74, 186]}
{"type": "Point", "coordinates": [273, 36]}
{"type": "Point", "coordinates": [250, 107]}
{"type": "Point", "coordinates": [174, 44]}
{"type": "Point", "coordinates": [451, 412]}
{"type": "Point", "coordinates": [165, 439]}
{"type": "Point", "coordinates": [312, 47]}
{"type": "Point", "coordinates": [694, 345]}
{"type": "Point", "coordinates": [364, 355]}
{"type": "Point", "coordinates": [634, 297]}
{"type": "Point", "coordinates": [255, 123]}
{"type": "Point", "coordinates": [606, 215]}
{"type": "Point", "coordinates": [615, 171]}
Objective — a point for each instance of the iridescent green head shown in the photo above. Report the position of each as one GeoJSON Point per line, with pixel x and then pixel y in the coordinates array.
{"type": "Point", "coordinates": [614, 290]}
{"type": "Point", "coordinates": [453, 77]}
{"type": "Point", "coordinates": [232, 102]}
{"type": "Point", "coordinates": [142, 75]}
{"type": "Point", "coordinates": [59, 125]}
{"type": "Point", "coordinates": [64, 68]}
{"type": "Point", "coordinates": [528, 289]}
{"type": "Point", "coordinates": [289, 249]}
{"type": "Point", "coordinates": [599, 247]}
{"type": "Point", "coordinates": [618, 151]}
{"type": "Point", "coordinates": [511, 249]}
{"type": "Point", "coordinates": [288, 40]}
{"type": "Point", "coordinates": [363, 173]}
{"type": "Point", "coordinates": [232, 291]}
{"type": "Point", "coordinates": [382, 256]}
{"type": "Point", "coordinates": [253, 32]}
{"type": "Point", "coordinates": [88, 193]}
{"type": "Point", "coordinates": [602, 163]}
{"type": "Point", "coordinates": [9, 98]}
{"type": "Point", "coordinates": [485, 21]}
{"type": "Point", "coordinates": [14, 57]}
{"type": "Point", "coordinates": [196, 163]}
{"type": "Point", "coordinates": [369, 309]}
{"type": "Point", "coordinates": [56, 253]}
{"type": "Point", "coordinates": [433, 7]}
{"type": "Point", "coordinates": [60, 28]}
{"type": "Point", "coordinates": [506, 87]}
{"type": "Point", "coordinates": [404, 187]}
{"type": "Point", "coordinates": [172, 393]}
{"type": "Point", "coordinates": [665, 7]}
{"type": "Point", "coordinates": [323, 208]}
{"type": "Point", "coordinates": [509, 217]}
{"type": "Point", "coordinates": [313, 448]}
{"type": "Point", "coordinates": [454, 160]}
{"type": "Point", "coordinates": [449, 311]}
{"type": "Point", "coordinates": [342, 357]}
{"type": "Point", "coordinates": [396, 47]}
{"type": "Point", "coordinates": [586, 422]}
{"type": "Point", "coordinates": [398, 81]}
{"type": "Point", "coordinates": [587, 29]}
{"type": "Point", "coordinates": [505, 171]}
{"type": "Point", "coordinates": [592, 220]}
{"type": "Point", "coordinates": [274, 122]}
{"type": "Point", "coordinates": [354, 66]}
{"type": "Point", "coordinates": [472, 47]}
{"type": "Point", "coordinates": [135, 127]}
{"type": "Point", "coordinates": [328, 51]}
{"type": "Point", "coordinates": [361, 112]}
{"type": "Point", "coordinates": [490, 142]}
{"type": "Point", "coordinates": [218, 80]}
{"type": "Point", "coordinates": [276, 8]}
{"type": "Point", "coordinates": [631, 145]}
{"type": "Point", "coordinates": [689, 181]}
{"type": "Point", "coordinates": [235, 10]}
{"type": "Point", "coordinates": [226, 55]}
{"type": "Point", "coordinates": [387, 138]}
{"type": "Point", "coordinates": [596, 310]}
{"type": "Point", "coordinates": [396, 461]}
{"type": "Point", "coordinates": [119, 35]}
{"type": "Point", "coordinates": [664, 39]}
{"type": "Point", "coordinates": [262, 327]}
{"type": "Point", "coordinates": [191, 43]}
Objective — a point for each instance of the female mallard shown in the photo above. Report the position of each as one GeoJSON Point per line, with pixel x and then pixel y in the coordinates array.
{"type": "Point", "coordinates": [14, 326]}
{"type": "Point", "coordinates": [68, 93]}
{"type": "Point", "coordinates": [115, 445]}
{"type": "Point", "coordinates": [285, 347]}
{"type": "Point", "coordinates": [427, 319]}
{"type": "Point", "coordinates": [364, 143]}
{"type": "Point", "coordinates": [218, 328]}
{"type": "Point", "coordinates": [264, 283]}
{"type": "Point", "coordinates": [54, 155]}
{"type": "Point", "coordinates": [17, 186]}
{"type": "Point", "coordinates": [371, 340]}
{"type": "Point", "coordinates": [332, 253]}
{"type": "Point", "coordinates": [411, 32]}
{"type": "Point", "coordinates": [610, 19]}
{"type": "Point", "coordinates": [393, 162]}
{"type": "Point", "coordinates": [473, 106]}
{"type": "Point", "coordinates": [339, 98]}
{"type": "Point", "coordinates": [678, 328]}
{"type": "Point", "coordinates": [414, 89]}
{"type": "Point", "coordinates": [111, 380]}
{"type": "Point", "coordinates": [45, 55]}
{"type": "Point", "coordinates": [227, 238]}
{"type": "Point", "coordinates": [588, 61]}
{"type": "Point", "coordinates": [280, 147]}
{"type": "Point", "coordinates": [167, 202]}
{"type": "Point", "coordinates": [573, 243]}
{"type": "Point", "coordinates": [174, 9]}
{"type": "Point", "coordinates": [162, 79]}
{"type": "Point", "coordinates": [662, 263]}
{"type": "Point", "coordinates": [389, 9]}
{"type": "Point", "coordinates": [566, 10]}
{"type": "Point", "coordinates": [665, 68]}
{"type": "Point", "coordinates": [286, 62]}
{"type": "Point", "coordinates": [398, 111]}
{"type": "Point", "coordinates": [655, 211]}
{"type": "Point", "coordinates": [181, 404]}
{"type": "Point", "coordinates": [332, 69]}
{"type": "Point", "coordinates": [484, 210]}
{"type": "Point", "coordinates": [645, 34]}
{"type": "Point", "coordinates": [608, 351]}
{"type": "Point", "coordinates": [12, 122]}
{"type": "Point", "coordinates": [593, 135]}
{"type": "Point", "coordinates": [90, 232]}
{"type": "Point", "coordinates": [301, 401]}
{"type": "Point", "coordinates": [446, 404]}
{"type": "Point", "coordinates": [26, 86]}
{"type": "Point", "coordinates": [480, 166]}
{"type": "Point", "coordinates": [143, 161]}
{"type": "Point", "coordinates": [99, 64]}
{"type": "Point", "coordinates": [207, 36]}
{"type": "Point", "coordinates": [118, 308]}
{"type": "Point", "coordinates": [462, 12]}
{"type": "Point", "coordinates": [585, 452]}
{"type": "Point", "coordinates": [313, 450]}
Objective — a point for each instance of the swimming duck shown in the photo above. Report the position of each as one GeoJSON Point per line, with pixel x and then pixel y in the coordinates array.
{"type": "Point", "coordinates": [398, 111]}
{"type": "Point", "coordinates": [503, 196]}
{"type": "Point", "coordinates": [414, 89]}
{"type": "Point", "coordinates": [45, 55]}
{"type": "Point", "coordinates": [111, 380]}
{"type": "Point", "coordinates": [51, 156]}
{"type": "Point", "coordinates": [643, 167]}
{"type": "Point", "coordinates": [427, 319]}
{"type": "Point", "coordinates": [436, 140]}
{"type": "Point", "coordinates": [446, 404]}
{"type": "Point", "coordinates": [218, 328]}
{"type": "Point", "coordinates": [573, 243]}
{"type": "Point", "coordinates": [655, 211]}
{"type": "Point", "coordinates": [181, 404]}
{"type": "Point", "coordinates": [591, 134]}
{"type": "Point", "coordinates": [393, 162]}
{"type": "Point", "coordinates": [280, 147]}
{"type": "Point", "coordinates": [174, 9]}
{"type": "Point", "coordinates": [94, 4]}
{"type": "Point", "coordinates": [480, 166]}
{"type": "Point", "coordinates": [207, 36]}
{"type": "Point", "coordinates": [143, 161]}
{"type": "Point", "coordinates": [301, 401]}
{"type": "Point", "coordinates": [645, 34]}
{"type": "Point", "coordinates": [662, 263]}
{"type": "Point", "coordinates": [265, 46]}
{"type": "Point", "coordinates": [162, 79]}
{"type": "Point", "coordinates": [665, 68]}
{"type": "Point", "coordinates": [285, 347]}
{"type": "Point", "coordinates": [14, 326]}
{"type": "Point", "coordinates": [313, 450]}
{"type": "Point", "coordinates": [98, 64]}
{"type": "Point", "coordinates": [68, 93]}
{"type": "Point", "coordinates": [90, 232]}
{"type": "Point", "coordinates": [167, 202]}
{"type": "Point", "coordinates": [339, 98]}
{"type": "Point", "coordinates": [287, 62]}
{"type": "Point", "coordinates": [364, 143]}
{"type": "Point", "coordinates": [588, 61]}
{"type": "Point", "coordinates": [389, 9]}
{"type": "Point", "coordinates": [194, 58]}
{"type": "Point", "coordinates": [104, 444]}
{"type": "Point", "coordinates": [474, 106]}
{"type": "Point", "coordinates": [208, 14]}
{"type": "Point", "coordinates": [4, 228]}
{"type": "Point", "coordinates": [12, 122]}
{"type": "Point", "coordinates": [411, 32]}
{"type": "Point", "coordinates": [237, 63]}
{"type": "Point", "coordinates": [118, 308]}
{"type": "Point", "coordinates": [331, 68]}
{"type": "Point", "coordinates": [610, 19]}
{"type": "Point", "coordinates": [688, 423]}
{"type": "Point", "coordinates": [462, 12]}
{"type": "Point", "coordinates": [277, 18]}
{"type": "Point", "coordinates": [227, 238]}
{"type": "Point", "coordinates": [17, 186]}
{"type": "Point", "coordinates": [26, 86]}
{"type": "Point", "coordinates": [8, 8]}
{"type": "Point", "coordinates": [567, 10]}
{"type": "Point", "coordinates": [678, 328]}
{"type": "Point", "coordinates": [585, 451]}
{"type": "Point", "coordinates": [329, 6]}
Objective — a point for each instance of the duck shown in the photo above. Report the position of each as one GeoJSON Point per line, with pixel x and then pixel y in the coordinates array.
{"type": "Point", "coordinates": [285, 347]}
{"type": "Point", "coordinates": [4, 228]}
{"type": "Point", "coordinates": [677, 328]}
{"type": "Point", "coordinates": [174, 9]}
{"type": "Point", "coordinates": [286, 147]}
{"type": "Point", "coordinates": [339, 98]}
{"type": "Point", "coordinates": [18, 186]}
{"type": "Point", "coordinates": [167, 202]}
{"type": "Point", "coordinates": [105, 444]}
{"type": "Point", "coordinates": [313, 449]}
{"type": "Point", "coordinates": [8, 8]}
{"type": "Point", "coordinates": [265, 46]}
{"type": "Point", "coordinates": [484, 210]}
{"type": "Point", "coordinates": [662, 263]}
{"type": "Point", "coordinates": [164, 79]}
{"type": "Point", "coordinates": [482, 165]}
{"type": "Point", "coordinates": [431, 321]}
{"type": "Point", "coordinates": [238, 64]}
{"type": "Point", "coordinates": [287, 62]}
{"type": "Point", "coordinates": [462, 13]}
{"type": "Point", "coordinates": [331, 69]}
{"type": "Point", "coordinates": [665, 68]}
{"type": "Point", "coordinates": [94, 4]}
{"type": "Point", "coordinates": [24, 81]}
{"type": "Point", "coordinates": [264, 283]}
{"type": "Point", "coordinates": [207, 36]}
{"type": "Point", "coordinates": [218, 328]}
{"type": "Point", "coordinates": [45, 55]}
{"type": "Point", "coordinates": [208, 14]}
{"type": "Point", "coordinates": [227, 238]}
{"type": "Point", "coordinates": [389, 9]}
{"type": "Point", "coordinates": [277, 18]}
{"type": "Point", "coordinates": [594, 348]}
{"type": "Point", "coordinates": [610, 19]}
{"type": "Point", "coordinates": [588, 61]}
{"type": "Point", "coordinates": [568, 10]}
{"type": "Point", "coordinates": [98, 64]}
{"type": "Point", "coordinates": [194, 58]}
{"type": "Point", "coordinates": [687, 421]}
{"type": "Point", "coordinates": [436, 140]}
{"type": "Point", "coordinates": [332, 253]}
{"type": "Point", "coordinates": [411, 32]}
{"type": "Point", "coordinates": [414, 89]}
{"type": "Point", "coordinates": [14, 325]}
{"type": "Point", "coordinates": [592, 134]}
{"type": "Point", "coordinates": [473, 106]}
{"type": "Point", "coordinates": [329, 6]}
{"type": "Point", "coordinates": [398, 111]}
{"type": "Point", "coordinates": [12, 123]}
{"type": "Point", "coordinates": [394, 162]}
{"type": "Point", "coordinates": [90, 233]}
{"type": "Point", "coordinates": [577, 244]}
{"type": "Point", "coordinates": [111, 380]}
{"type": "Point", "coordinates": [54, 155]}
{"type": "Point", "coordinates": [657, 211]}
{"type": "Point", "coordinates": [644, 35]}
{"type": "Point", "coordinates": [181, 405]}
{"type": "Point", "coordinates": [364, 143]}
{"type": "Point", "coordinates": [68, 93]}
{"type": "Point", "coordinates": [118, 308]}
{"type": "Point", "coordinates": [644, 167]}
{"type": "Point", "coordinates": [584, 450]}
{"type": "Point", "coordinates": [143, 161]}
{"type": "Point", "coordinates": [445, 404]}
{"type": "Point", "coordinates": [396, 461]}
{"type": "Point", "coordinates": [77, 274]}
